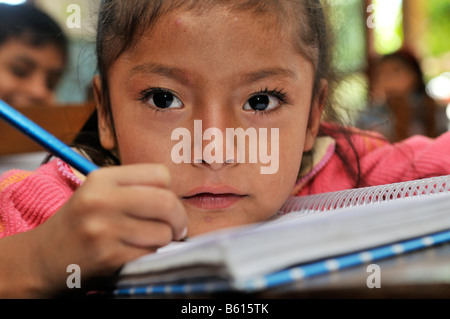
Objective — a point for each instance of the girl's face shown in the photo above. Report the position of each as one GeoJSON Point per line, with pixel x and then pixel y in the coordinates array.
{"type": "Point", "coordinates": [227, 70]}
{"type": "Point", "coordinates": [29, 75]}
{"type": "Point", "coordinates": [396, 78]}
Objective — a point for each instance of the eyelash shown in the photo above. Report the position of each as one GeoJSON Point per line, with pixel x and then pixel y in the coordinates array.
{"type": "Point", "coordinates": [277, 93]}
{"type": "Point", "coordinates": [146, 93]}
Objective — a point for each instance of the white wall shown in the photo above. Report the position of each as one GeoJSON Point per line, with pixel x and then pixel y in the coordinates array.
{"type": "Point", "coordinates": [63, 12]}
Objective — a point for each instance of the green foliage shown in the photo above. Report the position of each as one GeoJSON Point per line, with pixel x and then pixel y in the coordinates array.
{"type": "Point", "coordinates": [437, 33]}
{"type": "Point", "coordinates": [348, 27]}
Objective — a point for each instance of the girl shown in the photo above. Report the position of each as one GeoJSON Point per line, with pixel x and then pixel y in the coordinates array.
{"type": "Point", "coordinates": [401, 106]}
{"type": "Point", "coordinates": [163, 66]}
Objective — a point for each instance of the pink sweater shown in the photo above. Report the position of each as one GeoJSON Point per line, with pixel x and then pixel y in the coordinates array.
{"type": "Point", "coordinates": [380, 163]}
{"type": "Point", "coordinates": [28, 199]}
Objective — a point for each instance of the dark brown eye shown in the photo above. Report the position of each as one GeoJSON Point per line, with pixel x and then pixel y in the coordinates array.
{"type": "Point", "coordinates": [19, 71]}
{"type": "Point", "coordinates": [261, 102]}
{"type": "Point", "coordinates": [163, 99]}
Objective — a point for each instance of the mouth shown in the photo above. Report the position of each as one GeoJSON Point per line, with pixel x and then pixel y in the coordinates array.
{"type": "Point", "coordinates": [212, 199]}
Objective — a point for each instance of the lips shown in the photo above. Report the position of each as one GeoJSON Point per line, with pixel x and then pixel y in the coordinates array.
{"type": "Point", "coordinates": [215, 197]}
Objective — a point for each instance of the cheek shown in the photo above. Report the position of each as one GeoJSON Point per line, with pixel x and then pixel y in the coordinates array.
{"type": "Point", "coordinates": [291, 152]}
{"type": "Point", "coordinates": [136, 146]}
{"type": "Point", "coordinates": [279, 186]}
{"type": "Point", "coordinates": [139, 143]}
{"type": "Point", "coordinates": [409, 80]}
{"type": "Point", "coordinates": [290, 161]}
{"type": "Point", "coordinates": [8, 84]}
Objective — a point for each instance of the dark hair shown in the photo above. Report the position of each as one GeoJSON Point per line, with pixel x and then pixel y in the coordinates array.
{"type": "Point", "coordinates": [120, 25]}
{"type": "Point", "coordinates": [33, 26]}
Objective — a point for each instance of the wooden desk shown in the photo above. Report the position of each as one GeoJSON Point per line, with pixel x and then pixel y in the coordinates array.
{"type": "Point", "coordinates": [64, 122]}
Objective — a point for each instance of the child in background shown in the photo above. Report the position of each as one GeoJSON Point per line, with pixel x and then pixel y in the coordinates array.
{"type": "Point", "coordinates": [162, 66]}
{"type": "Point", "coordinates": [401, 106]}
{"type": "Point", "coordinates": [33, 51]}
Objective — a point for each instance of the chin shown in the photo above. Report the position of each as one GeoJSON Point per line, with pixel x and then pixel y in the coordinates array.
{"type": "Point", "coordinates": [209, 224]}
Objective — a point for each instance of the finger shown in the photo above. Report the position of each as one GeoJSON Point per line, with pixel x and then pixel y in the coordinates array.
{"type": "Point", "coordinates": [146, 234]}
{"type": "Point", "coordinates": [154, 204]}
{"type": "Point", "coordinates": [136, 174]}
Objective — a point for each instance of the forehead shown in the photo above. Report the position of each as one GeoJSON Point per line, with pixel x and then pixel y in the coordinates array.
{"type": "Point", "coordinates": [47, 55]}
{"type": "Point", "coordinates": [215, 38]}
{"type": "Point", "coordinates": [219, 26]}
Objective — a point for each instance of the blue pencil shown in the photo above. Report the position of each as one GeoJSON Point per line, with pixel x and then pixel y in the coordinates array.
{"type": "Point", "coordinates": [45, 139]}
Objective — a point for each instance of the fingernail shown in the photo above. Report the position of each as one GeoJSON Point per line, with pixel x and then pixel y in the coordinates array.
{"type": "Point", "coordinates": [184, 234]}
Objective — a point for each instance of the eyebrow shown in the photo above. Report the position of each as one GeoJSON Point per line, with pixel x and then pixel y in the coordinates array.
{"type": "Point", "coordinates": [169, 72]}
{"type": "Point", "coordinates": [267, 73]}
{"type": "Point", "coordinates": [181, 76]}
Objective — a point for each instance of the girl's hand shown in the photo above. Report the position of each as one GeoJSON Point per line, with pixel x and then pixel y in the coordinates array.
{"type": "Point", "coordinates": [118, 214]}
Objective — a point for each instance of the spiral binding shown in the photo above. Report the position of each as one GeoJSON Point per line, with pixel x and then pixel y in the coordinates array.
{"type": "Point", "coordinates": [367, 195]}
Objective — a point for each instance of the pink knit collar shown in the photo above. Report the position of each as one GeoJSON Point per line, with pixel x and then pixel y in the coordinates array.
{"type": "Point", "coordinates": [66, 171]}
{"type": "Point", "coordinates": [316, 169]}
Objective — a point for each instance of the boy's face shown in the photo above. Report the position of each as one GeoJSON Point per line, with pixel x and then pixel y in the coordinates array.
{"type": "Point", "coordinates": [29, 75]}
{"type": "Point", "coordinates": [229, 71]}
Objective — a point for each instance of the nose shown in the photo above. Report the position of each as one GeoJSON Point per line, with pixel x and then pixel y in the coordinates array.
{"type": "Point", "coordinates": [214, 166]}
{"type": "Point", "coordinates": [37, 90]}
{"type": "Point", "coordinates": [212, 148]}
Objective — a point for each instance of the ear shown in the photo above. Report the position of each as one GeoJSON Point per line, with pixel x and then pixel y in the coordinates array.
{"type": "Point", "coordinates": [105, 128]}
{"type": "Point", "coordinates": [315, 115]}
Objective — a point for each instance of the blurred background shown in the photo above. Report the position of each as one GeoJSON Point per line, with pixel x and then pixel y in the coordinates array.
{"type": "Point", "coordinates": [366, 32]}
{"type": "Point", "coordinates": [80, 30]}
{"type": "Point", "coordinates": [371, 32]}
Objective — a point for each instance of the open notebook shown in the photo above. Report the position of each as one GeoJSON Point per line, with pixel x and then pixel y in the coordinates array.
{"type": "Point", "coordinates": [310, 235]}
